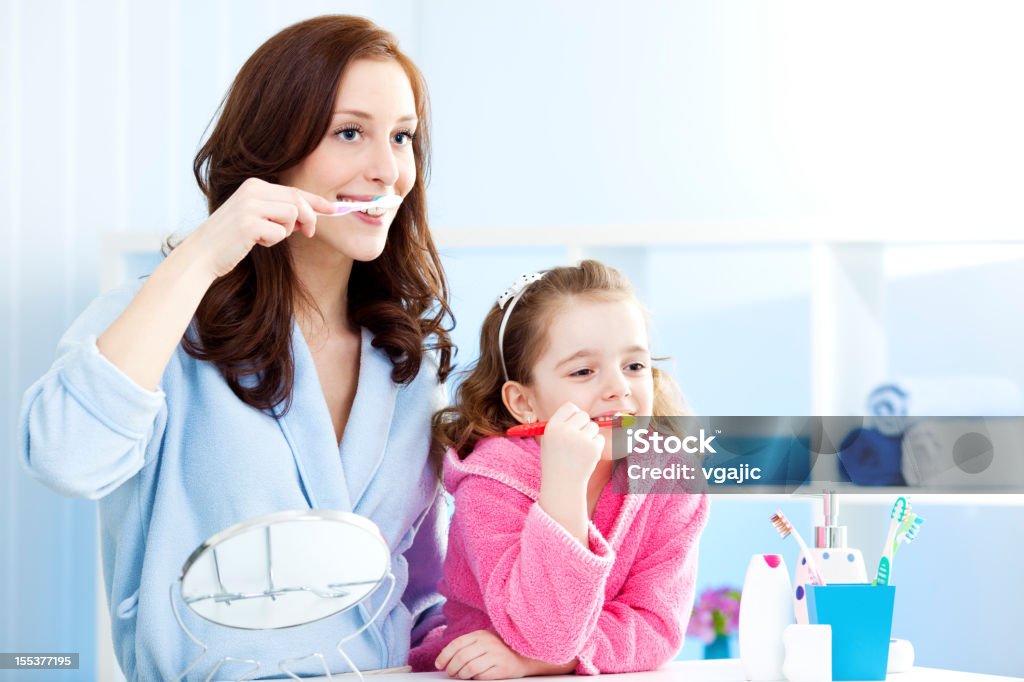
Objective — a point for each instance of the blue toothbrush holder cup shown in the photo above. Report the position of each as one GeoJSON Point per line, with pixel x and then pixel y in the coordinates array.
{"type": "Point", "coordinates": [861, 620]}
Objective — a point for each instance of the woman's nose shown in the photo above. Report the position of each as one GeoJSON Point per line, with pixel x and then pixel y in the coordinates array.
{"type": "Point", "coordinates": [382, 167]}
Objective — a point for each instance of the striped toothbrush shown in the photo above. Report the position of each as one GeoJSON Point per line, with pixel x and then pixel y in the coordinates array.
{"type": "Point", "coordinates": [784, 527]}
{"type": "Point", "coordinates": [900, 508]}
{"type": "Point", "coordinates": [907, 533]}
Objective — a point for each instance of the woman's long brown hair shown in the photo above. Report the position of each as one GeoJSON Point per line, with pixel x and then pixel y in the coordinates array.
{"type": "Point", "coordinates": [275, 114]}
{"type": "Point", "coordinates": [478, 411]}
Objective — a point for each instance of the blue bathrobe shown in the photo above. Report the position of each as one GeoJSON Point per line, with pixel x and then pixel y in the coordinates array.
{"type": "Point", "coordinates": [173, 466]}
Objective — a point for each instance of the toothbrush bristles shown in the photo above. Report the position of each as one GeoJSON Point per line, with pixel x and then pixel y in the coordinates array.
{"type": "Point", "coordinates": [900, 509]}
{"type": "Point", "coordinates": [781, 524]}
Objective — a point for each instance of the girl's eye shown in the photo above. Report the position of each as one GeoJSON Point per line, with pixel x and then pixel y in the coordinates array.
{"type": "Point", "coordinates": [636, 366]}
{"type": "Point", "coordinates": [349, 134]}
{"type": "Point", "coordinates": [403, 137]}
{"type": "Point", "coordinates": [582, 373]}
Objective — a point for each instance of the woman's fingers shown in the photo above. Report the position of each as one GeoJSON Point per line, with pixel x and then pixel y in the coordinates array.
{"type": "Point", "coordinates": [295, 195]}
{"type": "Point", "coordinates": [292, 213]}
{"type": "Point", "coordinates": [309, 205]}
{"type": "Point", "coordinates": [283, 213]}
{"type": "Point", "coordinates": [316, 202]}
{"type": "Point", "coordinates": [259, 212]}
{"type": "Point", "coordinates": [306, 204]}
{"type": "Point", "coordinates": [269, 232]}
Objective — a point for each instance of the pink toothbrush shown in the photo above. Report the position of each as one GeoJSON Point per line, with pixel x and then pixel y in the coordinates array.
{"type": "Point", "coordinates": [382, 203]}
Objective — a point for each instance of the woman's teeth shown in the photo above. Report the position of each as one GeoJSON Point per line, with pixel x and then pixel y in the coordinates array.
{"type": "Point", "coordinates": [373, 211]}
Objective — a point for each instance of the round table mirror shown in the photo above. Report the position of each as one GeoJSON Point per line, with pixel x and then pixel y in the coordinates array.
{"type": "Point", "coordinates": [285, 569]}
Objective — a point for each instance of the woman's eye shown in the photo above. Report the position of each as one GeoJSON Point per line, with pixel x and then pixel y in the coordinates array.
{"type": "Point", "coordinates": [349, 134]}
{"type": "Point", "coordinates": [404, 137]}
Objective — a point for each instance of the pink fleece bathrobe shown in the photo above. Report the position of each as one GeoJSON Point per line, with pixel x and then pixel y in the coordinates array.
{"type": "Point", "coordinates": [619, 605]}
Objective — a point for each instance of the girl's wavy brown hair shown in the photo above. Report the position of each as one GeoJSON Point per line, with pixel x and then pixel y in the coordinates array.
{"type": "Point", "coordinates": [275, 114]}
{"type": "Point", "coordinates": [478, 411]}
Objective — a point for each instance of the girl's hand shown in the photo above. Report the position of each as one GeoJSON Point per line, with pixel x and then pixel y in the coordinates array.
{"type": "Point", "coordinates": [482, 655]}
{"type": "Point", "coordinates": [258, 212]}
{"type": "Point", "coordinates": [570, 447]}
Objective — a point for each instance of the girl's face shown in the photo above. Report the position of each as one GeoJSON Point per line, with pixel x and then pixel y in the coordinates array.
{"type": "Point", "coordinates": [597, 357]}
{"type": "Point", "coordinates": [366, 152]}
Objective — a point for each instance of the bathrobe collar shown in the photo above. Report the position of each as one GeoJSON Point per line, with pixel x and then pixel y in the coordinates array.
{"type": "Point", "coordinates": [333, 477]}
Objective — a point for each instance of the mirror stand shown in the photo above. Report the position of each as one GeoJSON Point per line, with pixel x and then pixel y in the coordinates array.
{"type": "Point", "coordinates": [279, 571]}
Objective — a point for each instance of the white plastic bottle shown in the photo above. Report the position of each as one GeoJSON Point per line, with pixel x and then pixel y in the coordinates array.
{"type": "Point", "coordinates": [766, 609]}
{"type": "Point", "coordinates": [837, 563]}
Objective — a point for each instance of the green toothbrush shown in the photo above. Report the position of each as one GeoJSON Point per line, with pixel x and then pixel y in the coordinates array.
{"type": "Point", "coordinates": [899, 511]}
{"type": "Point", "coordinates": [907, 532]}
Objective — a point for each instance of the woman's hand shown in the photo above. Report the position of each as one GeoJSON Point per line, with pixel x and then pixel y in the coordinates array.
{"type": "Point", "coordinates": [259, 212]}
{"type": "Point", "coordinates": [482, 655]}
{"type": "Point", "coordinates": [142, 340]}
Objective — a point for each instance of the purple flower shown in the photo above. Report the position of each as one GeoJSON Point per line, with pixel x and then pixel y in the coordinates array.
{"type": "Point", "coordinates": [716, 613]}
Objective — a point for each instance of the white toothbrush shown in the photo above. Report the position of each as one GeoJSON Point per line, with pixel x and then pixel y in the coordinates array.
{"type": "Point", "coordinates": [908, 530]}
{"type": "Point", "coordinates": [386, 202]}
{"type": "Point", "coordinates": [784, 527]}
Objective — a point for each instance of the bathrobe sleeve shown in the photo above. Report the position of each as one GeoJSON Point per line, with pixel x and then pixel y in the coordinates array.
{"type": "Point", "coordinates": [542, 589]}
{"type": "Point", "coordinates": [644, 625]}
{"type": "Point", "coordinates": [426, 562]}
{"type": "Point", "coordinates": [85, 427]}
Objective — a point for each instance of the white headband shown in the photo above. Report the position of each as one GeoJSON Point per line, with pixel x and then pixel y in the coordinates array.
{"type": "Point", "coordinates": [512, 294]}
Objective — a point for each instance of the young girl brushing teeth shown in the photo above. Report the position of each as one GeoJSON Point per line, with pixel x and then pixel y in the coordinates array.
{"type": "Point", "coordinates": [549, 570]}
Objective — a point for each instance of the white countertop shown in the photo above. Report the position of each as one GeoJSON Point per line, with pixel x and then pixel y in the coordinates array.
{"type": "Point", "coordinates": [723, 670]}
